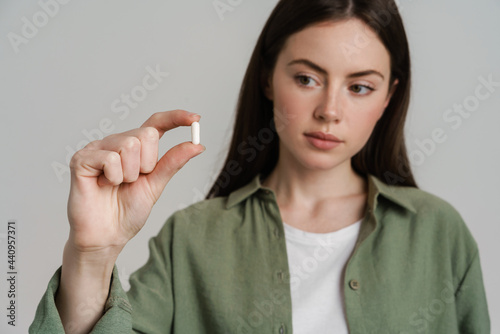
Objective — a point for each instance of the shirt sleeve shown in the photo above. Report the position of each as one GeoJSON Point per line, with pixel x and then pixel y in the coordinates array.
{"type": "Point", "coordinates": [146, 308]}
{"type": "Point", "coordinates": [470, 297]}
{"type": "Point", "coordinates": [471, 304]}
{"type": "Point", "coordinates": [117, 310]}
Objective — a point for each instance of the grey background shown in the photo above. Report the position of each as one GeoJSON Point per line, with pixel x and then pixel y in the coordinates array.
{"type": "Point", "coordinates": [65, 78]}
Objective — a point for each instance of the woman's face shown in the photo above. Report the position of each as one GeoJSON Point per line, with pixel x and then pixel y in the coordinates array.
{"type": "Point", "coordinates": [330, 79]}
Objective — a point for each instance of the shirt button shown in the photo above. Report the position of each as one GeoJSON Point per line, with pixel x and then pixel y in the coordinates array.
{"type": "Point", "coordinates": [354, 284]}
{"type": "Point", "coordinates": [282, 329]}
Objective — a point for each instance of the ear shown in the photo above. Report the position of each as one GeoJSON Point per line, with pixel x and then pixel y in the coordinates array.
{"type": "Point", "coordinates": [391, 92]}
{"type": "Point", "coordinates": [268, 89]}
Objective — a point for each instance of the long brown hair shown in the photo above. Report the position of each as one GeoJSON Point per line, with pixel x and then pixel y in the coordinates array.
{"type": "Point", "coordinates": [254, 146]}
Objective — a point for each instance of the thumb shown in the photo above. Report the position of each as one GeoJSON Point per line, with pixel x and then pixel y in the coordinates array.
{"type": "Point", "coordinates": [170, 163]}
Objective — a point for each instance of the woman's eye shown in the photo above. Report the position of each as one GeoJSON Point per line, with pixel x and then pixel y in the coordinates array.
{"type": "Point", "coordinates": [361, 89]}
{"type": "Point", "coordinates": [304, 80]}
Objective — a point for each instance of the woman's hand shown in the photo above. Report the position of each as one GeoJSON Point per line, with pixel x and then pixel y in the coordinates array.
{"type": "Point", "coordinates": [116, 181]}
{"type": "Point", "coordinates": [114, 184]}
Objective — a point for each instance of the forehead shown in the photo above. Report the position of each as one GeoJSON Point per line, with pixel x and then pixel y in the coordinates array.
{"type": "Point", "coordinates": [341, 46]}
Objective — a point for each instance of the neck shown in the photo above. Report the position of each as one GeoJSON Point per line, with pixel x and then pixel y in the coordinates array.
{"type": "Point", "coordinates": [295, 185]}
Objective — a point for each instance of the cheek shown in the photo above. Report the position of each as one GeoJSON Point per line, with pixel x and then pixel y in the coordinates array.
{"type": "Point", "coordinates": [366, 120]}
{"type": "Point", "coordinates": [285, 96]}
{"type": "Point", "coordinates": [289, 108]}
{"type": "Point", "coordinates": [285, 121]}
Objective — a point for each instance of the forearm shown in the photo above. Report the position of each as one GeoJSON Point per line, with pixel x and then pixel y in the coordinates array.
{"type": "Point", "coordinates": [84, 288]}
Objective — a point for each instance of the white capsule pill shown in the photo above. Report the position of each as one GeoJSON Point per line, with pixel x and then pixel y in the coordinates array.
{"type": "Point", "coordinates": [195, 133]}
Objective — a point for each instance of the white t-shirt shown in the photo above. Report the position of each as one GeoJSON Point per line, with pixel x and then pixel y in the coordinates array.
{"type": "Point", "coordinates": [317, 262]}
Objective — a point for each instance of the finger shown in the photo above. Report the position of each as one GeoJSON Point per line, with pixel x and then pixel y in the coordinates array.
{"type": "Point", "coordinates": [170, 163]}
{"type": "Point", "coordinates": [129, 149]}
{"type": "Point", "coordinates": [148, 150]}
{"type": "Point", "coordinates": [128, 146]}
{"type": "Point", "coordinates": [106, 165]}
{"type": "Point", "coordinates": [167, 120]}
{"type": "Point", "coordinates": [149, 138]}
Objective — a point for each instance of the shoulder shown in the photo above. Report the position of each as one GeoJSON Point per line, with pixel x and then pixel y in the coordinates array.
{"type": "Point", "coordinates": [430, 225]}
{"type": "Point", "coordinates": [200, 216]}
{"type": "Point", "coordinates": [424, 202]}
{"type": "Point", "coordinates": [433, 214]}
{"type": "Point", "coordinates": [413, 199]}
{"type": "Point", "coordinates": [221, 214]}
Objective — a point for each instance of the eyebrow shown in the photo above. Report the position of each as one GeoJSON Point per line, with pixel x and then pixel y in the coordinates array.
{"type": "Point", "coordinates": [323, 71]}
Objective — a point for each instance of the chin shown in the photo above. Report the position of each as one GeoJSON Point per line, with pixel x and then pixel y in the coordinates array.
{"type": "Point", "coordinates": [312, 160]}
{"type": "Point", "coordinates": [321, 164]}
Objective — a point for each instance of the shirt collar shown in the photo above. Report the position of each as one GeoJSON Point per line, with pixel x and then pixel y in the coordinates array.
{"type": "Point", "coordinates": [396, 194]}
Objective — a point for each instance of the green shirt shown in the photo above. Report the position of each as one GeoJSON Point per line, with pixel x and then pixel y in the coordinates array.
{"type": "Point", "coordinates": [220, 266]}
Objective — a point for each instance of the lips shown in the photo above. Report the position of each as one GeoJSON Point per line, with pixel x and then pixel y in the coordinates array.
{"type": "Point", "coordinates": [323, 141]}
{"type": "Point", "coordinates": [323, 136]}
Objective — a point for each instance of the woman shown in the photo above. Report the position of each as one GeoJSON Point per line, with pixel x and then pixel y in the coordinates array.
{"type": "Point", "coordinates": [314, 225]}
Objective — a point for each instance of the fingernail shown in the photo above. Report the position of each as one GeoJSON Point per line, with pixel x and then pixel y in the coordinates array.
{"type": "Point", "coordinates": [193, 114]}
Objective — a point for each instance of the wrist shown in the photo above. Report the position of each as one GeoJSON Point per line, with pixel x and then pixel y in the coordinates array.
{"type": "Point", "coordinates": [91, 253]}
{"type": "Point", "coordinates": [91, 261]}
{"type": "Point", "coordinates": [84, 286]}
{"type": "Point", "coordinates": [90, 269]}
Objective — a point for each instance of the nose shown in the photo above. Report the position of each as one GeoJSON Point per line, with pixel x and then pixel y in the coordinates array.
{"type": "Point", "coordinates": [329, 110]}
